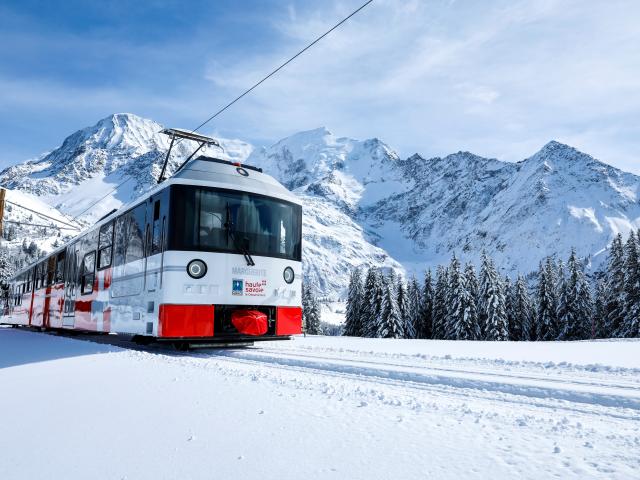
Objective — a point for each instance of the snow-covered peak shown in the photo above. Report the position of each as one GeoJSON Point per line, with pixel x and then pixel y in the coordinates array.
{"type": "Point", "coordinates": [338, 168]}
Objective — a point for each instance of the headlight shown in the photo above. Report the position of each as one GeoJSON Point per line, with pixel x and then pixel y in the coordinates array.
{"type": "Point", "coordinates": [197, 269]}
{"type": "Point", "coordinates": [288, 275]}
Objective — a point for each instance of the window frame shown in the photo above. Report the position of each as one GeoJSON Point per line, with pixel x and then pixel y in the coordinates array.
{"type": "Point", "coordinates": [174, 226]}
{"type": "Point", "coordinates": [85, 274]}
{"type": "Point", "coordinates": [102, 247]}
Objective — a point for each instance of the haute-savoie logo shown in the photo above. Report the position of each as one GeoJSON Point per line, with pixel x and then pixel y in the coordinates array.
{"type": "Point", "coordinates": [237, 287]}
{"type": "Point", "coordinates": [241, 287]}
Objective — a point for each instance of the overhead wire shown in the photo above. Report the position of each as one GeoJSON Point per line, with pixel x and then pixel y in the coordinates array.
{"type": "Point", "coordinates": [36, 225]}
{"type": "Point", "coordinates": [42, 215]}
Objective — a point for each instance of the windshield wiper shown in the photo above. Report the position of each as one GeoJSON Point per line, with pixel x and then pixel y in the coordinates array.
{"type": "Point", "coordinates": [240, 247]}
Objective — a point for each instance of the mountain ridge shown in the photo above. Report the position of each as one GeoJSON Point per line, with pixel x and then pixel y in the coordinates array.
{"type": "Point", "coordinates": [364, 204]}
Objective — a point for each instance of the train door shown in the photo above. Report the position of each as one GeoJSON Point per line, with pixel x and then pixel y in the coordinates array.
{"type": "Point", "coordinates": [70, 285]}
{"type": "Point", "coordinates": [153, 245]}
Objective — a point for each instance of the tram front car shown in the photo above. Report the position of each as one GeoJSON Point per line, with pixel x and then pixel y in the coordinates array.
{"type": "Point", "coordinates": [231, 267]}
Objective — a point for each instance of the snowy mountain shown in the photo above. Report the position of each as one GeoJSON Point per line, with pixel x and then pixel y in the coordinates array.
{"type": "Point", "coordinates": [421, 210]}
{"type": "Point", "coordinates": [363, 203]}
{"type": "Point", "coordinates": [96, 160]}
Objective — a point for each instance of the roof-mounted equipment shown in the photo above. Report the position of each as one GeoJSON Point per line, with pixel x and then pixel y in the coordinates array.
{"type": "Point", "coordinates": [185, 135]}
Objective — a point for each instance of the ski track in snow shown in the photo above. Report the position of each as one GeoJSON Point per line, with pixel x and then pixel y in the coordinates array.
{"type": "Point", "coordinates": [446, 416]}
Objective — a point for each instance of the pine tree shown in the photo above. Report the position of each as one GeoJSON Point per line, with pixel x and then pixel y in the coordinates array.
{"type": "Point", "coordinates": [615, 301]}
{"type": "Point", "coordinates": [353, 325]}
{"type": "Point", "coordinates": [577, 305]}
{"type": "Point", "coordinates": [7, 268]}
{"type": "Point", "coordinates": [413, 309]}
{"type": "Point", "coordinates": [462, 316]}
{"type": "Point", "coordinates": [372, 303]}
{"type": "Point", "coordinates": [310, 311]}
{"type": "Point", "coordinates": [472, 283]}
{"type": "Point", "coordinates": [482, 292]}
{"type": "Point", "coordinates": [493, 301]}
{"type": "Point", "coordinates": [390, 325]}
{"type": "Point", "coordinates": [631, 321]}
{"type": "Point", "coordinates": [425, 324]}
{"type": "Point", "coordinates": [455, 305]}
{"type": "Point", "coordinates": [509, 299]}
{"type": "Point", "coordinates": [562, 293]}
{"type": "Point", "coordinates": [472, 320]}
{"type": "Point", "coordinates": [403, 309]}
{"type": "Point", "coordinates": [522, 311]}
{"type": "Point", "coordinates": [546, 320]}
{"type": "Point", "coordinates": [598, 322]}
{"type": "Point", "coordinates": [33, 249]}
{"type": "Point", "coordinates": [440, 303]}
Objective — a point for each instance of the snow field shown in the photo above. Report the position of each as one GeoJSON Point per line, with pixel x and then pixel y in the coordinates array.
{"type": "Point", "coordinates": [319, 407]}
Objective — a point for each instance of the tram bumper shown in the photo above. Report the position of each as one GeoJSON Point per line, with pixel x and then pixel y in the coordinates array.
{"type": "Point", "coordinates": [221, 322]}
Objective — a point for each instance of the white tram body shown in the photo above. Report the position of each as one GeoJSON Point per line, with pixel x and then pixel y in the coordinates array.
{"type": "Point", "coordinates": [211, 254]}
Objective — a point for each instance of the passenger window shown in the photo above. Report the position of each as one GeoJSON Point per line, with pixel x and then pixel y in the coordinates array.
{"type": "Point", "coordinates": [105, 246]}
{"type": "Point", "coordinates": [60, 268]}
{"type": "Point", "coordinates": [88, 273]}
{"type": "Point", "coordinates": [135, 230]}
{"type": "Point", "coordinates": [156, 242]}
{"type": "Point", "coordinates": [121, 235]}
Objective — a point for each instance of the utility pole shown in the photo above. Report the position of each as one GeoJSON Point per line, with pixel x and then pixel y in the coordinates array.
{"type": "Point", "coordinates": [2, 194]}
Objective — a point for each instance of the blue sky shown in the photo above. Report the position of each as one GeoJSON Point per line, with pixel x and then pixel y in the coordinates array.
{"type": "Point", "coordinates": [498, 78]}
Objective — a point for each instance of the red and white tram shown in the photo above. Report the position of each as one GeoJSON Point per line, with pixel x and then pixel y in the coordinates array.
{"type": "Point", "coordinates": [212, 254]}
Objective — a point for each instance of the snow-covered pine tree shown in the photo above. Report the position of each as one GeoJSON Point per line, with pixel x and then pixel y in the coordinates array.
{"type": "Point", "coordinates": [7, 268]}
{"type": "Point", "coordinates": [562, 292]}
{"type": "Point", "coordinates": [412, 319]}
{"type": "Point", "coordinates": [391, 323]}
{"type": "Point", "coordinates": [440, 303]}
{"type": "Point", "coordinates": [631, 322]}
{"type": "Point", "coordinates": [462, 316]}
{"type": "Point", "coordinates": [509, 308]}
{"type": "Point", "coordinates": [455, 295]}
{"type": "Point", "coordinates": [598, 320]}
{"type": "Point", "coordinates": [471, 302]}
{"type": "Point", "coordinates": [355, 299]}
{"type": "Point", "coordinates": [425, 324]}
{"type": "Point", "coordinates": [492, 294]}
{"type": "Point", "coordinates": [371, 304]}
{"type": "Point", "coordinates": [522, 310]}
{"type": "Point", "coordinates": [310, 311]}
{"type": "Point", "coordinates": [546, 320]}
{"type": "Point", "coordinates": [403, 308]}
{"type": "Point", "coordinates": [576, 306]}
{"type": "Point", "coordinates": [482, 292]}
{"type": "Point", "coordinates": [471, 280]}
{"type": "Point", "coordinates": [615, 288]}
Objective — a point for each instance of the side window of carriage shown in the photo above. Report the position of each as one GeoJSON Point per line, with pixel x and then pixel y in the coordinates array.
{"type": "Point", "coordinates": [59, 275]}
{"type": "Point", "coordinates": [88, 273]}
{"type": "Point", "coordinates": [105, 246]}
{"type": "Point", "coordinates": [156, 245]}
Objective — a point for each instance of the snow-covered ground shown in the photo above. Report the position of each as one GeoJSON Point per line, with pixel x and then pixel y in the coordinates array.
{"type": "Point", "coordinates": [319, 407]}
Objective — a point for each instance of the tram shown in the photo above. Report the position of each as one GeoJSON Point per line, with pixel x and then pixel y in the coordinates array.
{"type": "Point", "coordinates": [210, 255]}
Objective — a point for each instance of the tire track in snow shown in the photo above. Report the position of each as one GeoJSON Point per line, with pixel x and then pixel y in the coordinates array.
{"type": "Point", "coordinates": [609, 405]}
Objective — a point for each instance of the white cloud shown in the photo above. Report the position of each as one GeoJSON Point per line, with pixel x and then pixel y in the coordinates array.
{"type": "Point", "coordinates": [499, 78]}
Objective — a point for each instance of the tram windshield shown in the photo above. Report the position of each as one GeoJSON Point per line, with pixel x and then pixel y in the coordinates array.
{"type": "Point", "coordinates": [217, 220]}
